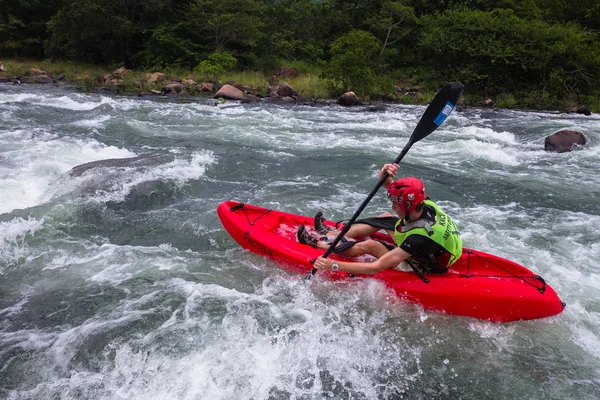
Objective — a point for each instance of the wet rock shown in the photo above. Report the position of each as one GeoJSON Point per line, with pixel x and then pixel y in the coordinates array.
{"type": "Point", "coordinates": [229, 92]}
{"type": "Point", "coordinates": [173, 88]}
{"type": "Point", "coordinates": [249, 98]}
{"type": "Point", "coordinates": [564, 141]}
{"type": "Point", "coordinates": [578, 110]}
{"type": "Point", "coordinates": [111, 163]}
{"type": "Point", "coordinates": [583, 110]}
{"type": "Point", "coordinates": [349, 99]}
{"type": "Point", "coordinates": [286, 90]}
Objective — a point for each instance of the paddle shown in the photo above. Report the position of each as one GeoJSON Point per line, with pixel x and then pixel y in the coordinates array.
{"type": "Point", "coordinates": [436, 113]}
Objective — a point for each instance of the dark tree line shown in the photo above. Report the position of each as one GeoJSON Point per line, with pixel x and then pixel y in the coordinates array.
{"type": "Point", "coordinates": [522, 47]}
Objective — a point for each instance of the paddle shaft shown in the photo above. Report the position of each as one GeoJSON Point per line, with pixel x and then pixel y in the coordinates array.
{"type": "Point", "coordinates": [362, 206]}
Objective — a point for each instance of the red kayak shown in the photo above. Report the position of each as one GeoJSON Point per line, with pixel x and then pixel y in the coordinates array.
{"type": "Point", "coordinates": [478, 285]}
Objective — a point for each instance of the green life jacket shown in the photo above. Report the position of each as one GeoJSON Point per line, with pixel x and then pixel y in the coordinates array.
{"type": "Point", "coordinates": [443, 231]}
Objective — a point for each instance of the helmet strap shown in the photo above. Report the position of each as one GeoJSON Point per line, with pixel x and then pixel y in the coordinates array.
{"type": "Point", "coordinates": [407, 205]}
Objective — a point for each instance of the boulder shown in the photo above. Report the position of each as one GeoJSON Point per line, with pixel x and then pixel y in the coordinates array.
{"type": "Point", "coordinates": [2, 67]}
{"type": "Point", "coordinates": [173, 88]}
{"type": "Point", "coordinates": [583, 110]}
{"type": "Point", "coordinates": [487, 103]}
{"type": "Point", "coordinates": [109, 163]}
{"type": "Point", "coordinates": [149, 93]}
{"type": "Point", "coordinates": [206, 87]}
{"type": "Point", "coordinates": [249, 98]}
{"type": "Point", "coordinates": [578, 110]}
{"type": "Point", "coordinates": [155, 77]}
{"type": "Point", "coordinates": [285, 90]}
{"type": "Point", "coordinates": [34, 72]}
{"type": "Point", "coordinates": [229, 92]}
{"type": "Point", "coordinates": [349, 99]}
{"type": "Point", "coordinates": [118, 73]}
{"type": "Point", "coordinates": [564, 140]}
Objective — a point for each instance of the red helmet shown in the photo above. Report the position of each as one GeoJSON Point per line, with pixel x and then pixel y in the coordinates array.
{"type": "Point", "coordinates": [408, 192]}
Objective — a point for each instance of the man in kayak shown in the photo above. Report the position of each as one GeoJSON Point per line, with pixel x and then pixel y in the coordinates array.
{"type": "Point", "coordinates": [425, 237]}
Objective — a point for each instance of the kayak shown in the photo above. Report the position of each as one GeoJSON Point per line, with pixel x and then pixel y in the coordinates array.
{"type": "Point", "coordinates": [478, 285]}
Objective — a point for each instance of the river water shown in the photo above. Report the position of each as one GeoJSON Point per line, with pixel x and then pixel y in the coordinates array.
{"type": "Point", "coordinates": [120, 282]}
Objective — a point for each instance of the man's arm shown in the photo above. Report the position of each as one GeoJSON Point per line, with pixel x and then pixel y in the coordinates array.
{"type": "Point", "coordinates": [388, 260]}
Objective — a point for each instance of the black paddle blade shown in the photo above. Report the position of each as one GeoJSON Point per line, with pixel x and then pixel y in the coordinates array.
{"type": "Point", "coordinates": [440, 107]}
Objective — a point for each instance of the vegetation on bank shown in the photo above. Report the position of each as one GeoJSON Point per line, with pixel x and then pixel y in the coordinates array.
{"type": "Point", "coordinates": [89, 77]}
{"type": "Point", "coordinates": [520, 53]}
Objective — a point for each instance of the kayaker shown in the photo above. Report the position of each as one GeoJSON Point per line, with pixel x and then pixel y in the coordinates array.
{"type": "Point", "coordinates": [424, 235]}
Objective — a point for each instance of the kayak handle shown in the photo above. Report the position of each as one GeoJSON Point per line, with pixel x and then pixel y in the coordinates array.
{"type": "Point", "coordinates": [232, 209]}
{"type": "Point", "coordinates": [543, 288]}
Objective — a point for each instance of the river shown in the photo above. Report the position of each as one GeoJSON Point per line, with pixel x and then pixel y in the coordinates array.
{"type": "Point", "coordinates": [120, 282]}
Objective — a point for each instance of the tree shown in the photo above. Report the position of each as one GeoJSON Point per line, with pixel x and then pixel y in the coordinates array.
{"type": "Point", "coordinates": [23, 26]}
{"type": "Point", "coordinates": [499, 52]}
{"type": "Point", "coordinates": [222, 25]}
{"type": "Point", "coordinates": [352, 62]}
{"type": "Point", "coordinates": [167, 45]}
{"type": "Point", "coordinates": [394, 21]}
{"type": "Point", "coordinates": [215, 64]}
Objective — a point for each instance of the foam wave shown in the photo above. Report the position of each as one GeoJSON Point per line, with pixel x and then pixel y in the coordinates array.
{"type": "Point", "coordinates": [106, 184]}
{"type": "Point", "coordinates": [12, 238]}
{"type": "Point", "coordinates": [38, 160]}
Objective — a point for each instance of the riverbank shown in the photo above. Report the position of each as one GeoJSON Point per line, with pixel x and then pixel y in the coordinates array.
{"type": "Point", "coordinates": [306, 82]}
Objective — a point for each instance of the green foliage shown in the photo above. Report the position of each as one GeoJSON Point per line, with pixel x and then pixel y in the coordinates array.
{"type": "Point", "coordinates": [505, 100]}
{"type": "Point", "coordinates": [11, 42]}
{"type": "Point", "coordinates": [23, 26]}
{"type": "Point", "coordinates": [591, 101]}
{"type": "Point", "coordinates": [352, 60]}
{"type": "Point", "coordinates": [499, 52]}
{"type": "Point", "coordinates": [167, 45]}
{"type": "Point", "coordinates": [224, 25]}
{"type": "Point", "coordinates": [102, 36]}
{"type": "Point", "coordinates": [216, 64]}
{"type": "Point", "coordinates": [297, 29]}
{"type": "Point", "coordinates": [395, 21]}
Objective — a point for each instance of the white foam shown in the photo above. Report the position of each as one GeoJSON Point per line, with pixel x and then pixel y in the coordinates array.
{"type": "Point", "coordinates": [114, 184]}
{"type": "Point", "coordinates": [37, 160]}
{"type": "Point", "coordinates": [12, 238]}
{"type": "Point", "coordinates": [72, 101]}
